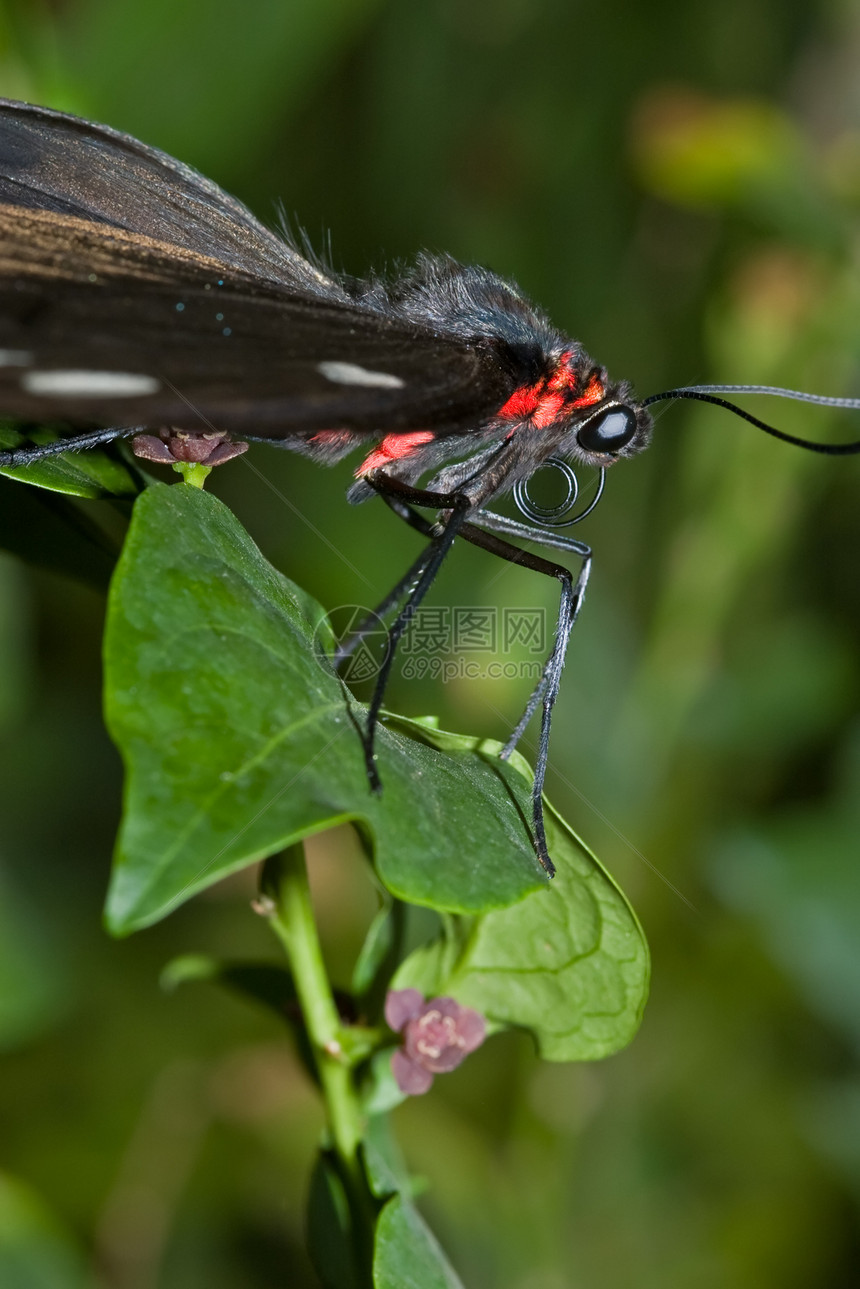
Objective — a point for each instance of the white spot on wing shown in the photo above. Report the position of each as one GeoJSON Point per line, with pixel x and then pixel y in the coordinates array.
{"type": "Point", "coordinates": [352, 374]}
{"type": "Point", "coordinates": [15, 358]}
{"type": "Point", "coordinates": [89, 384]}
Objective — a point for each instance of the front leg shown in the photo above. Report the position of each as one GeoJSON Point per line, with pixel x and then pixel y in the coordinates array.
{"type": "Point", "coordinates": [442, 534]}
{"type": "Point", "coordinates": [401, 498]}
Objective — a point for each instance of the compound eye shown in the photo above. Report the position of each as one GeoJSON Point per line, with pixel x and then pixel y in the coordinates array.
{"type": "Point", "coordinates": [609, 431]}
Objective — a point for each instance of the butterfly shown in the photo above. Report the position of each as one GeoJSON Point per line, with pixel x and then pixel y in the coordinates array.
{"type": "Point", "coordinates": [138, 300]}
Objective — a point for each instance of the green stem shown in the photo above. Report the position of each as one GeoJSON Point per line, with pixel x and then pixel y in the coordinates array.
{"type": "Point", "coordinates": [193, 472]}
{"type": "Point", "coordinates": [285, 882]}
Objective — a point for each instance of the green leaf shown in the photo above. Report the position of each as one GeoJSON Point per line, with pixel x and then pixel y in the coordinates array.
{"type": "Point", "coordinates": [379, 1090]}
{"type": "Point", "coordinates": [330, 1242]}
{"type": "Point", "coordinates": [51, 531]}
{"type": "Point", "coordinates": [569, 963]}
{"type": "Point", "coordinates": [265, 983]}
{"type": "Point", "coordinates": [407, 1254]}
{"type": "Point", "coordinates": [380, 947]}
{"type": "Point", "coordinates": [268, 984]}
{"type": "Point", "coordinates": [79, 474]}
{"type": "Point", "coordinates": [384, 1165]}
{"type": "Point", "coordinates": [239, 740]}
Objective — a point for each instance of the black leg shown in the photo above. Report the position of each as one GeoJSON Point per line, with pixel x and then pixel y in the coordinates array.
{"type": "Point", "coordinates": [426, 567]}
{"type": "Point", "coordinates": [427, 529]}
{"type": "Point", "coordinates": [547, 687]}
{"type": "Point", "coordinates": [576, 596]}
{"type": "Point", "coordinates": [401, 498]}
{"type": "Point", "coordinates": [34, 452]}
{"type": "Point", "coordinates": [395, 595]}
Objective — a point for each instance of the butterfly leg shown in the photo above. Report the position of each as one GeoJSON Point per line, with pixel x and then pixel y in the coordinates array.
{"type": "Point", "coordinates": [546, 690]}
{"type": "Point", "coordinates": [348, 645]}
{"type": "Point", "coordinates": [570, 602]}
{"type": "Point", "coordinates": [426, 568]}
{"type": "Point", "coordinates": [34, 452]}
{"type": "Point", "coordinates": [515, 528]}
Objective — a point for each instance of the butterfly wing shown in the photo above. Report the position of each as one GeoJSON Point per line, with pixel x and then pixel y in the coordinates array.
{"type": "Point", "coordinates": [135, 292]}
{"type": "Point", "coordinates": [54, 162]}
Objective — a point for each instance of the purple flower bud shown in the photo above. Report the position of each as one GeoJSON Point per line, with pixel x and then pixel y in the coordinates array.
{"type": "Point", "coordinates": [437, 1036]}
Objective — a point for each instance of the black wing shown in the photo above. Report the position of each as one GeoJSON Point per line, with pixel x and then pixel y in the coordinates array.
{"type": "Point", "coordinates": [53, 162]}
{"type": "Point", "coordinates": [135, 292]}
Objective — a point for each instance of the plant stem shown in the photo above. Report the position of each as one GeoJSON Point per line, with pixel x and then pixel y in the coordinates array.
{"type": "Point", "coordinates": [285, 882]}
{"type": "Point", "coordinates": [193, 472]}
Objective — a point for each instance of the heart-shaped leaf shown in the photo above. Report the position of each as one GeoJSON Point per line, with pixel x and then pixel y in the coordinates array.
{"type": "Point", "coordinates": [239, 739]}
{"type": "Point", "coordinates": [569, 963]}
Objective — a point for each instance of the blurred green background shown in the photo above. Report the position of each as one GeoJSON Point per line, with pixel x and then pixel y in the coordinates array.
{"type": "Point", "coordinates": [679, 186]}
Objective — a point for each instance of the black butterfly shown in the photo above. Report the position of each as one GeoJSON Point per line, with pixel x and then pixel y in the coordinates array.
{"type": "Point", "coordinates": [139, 300]}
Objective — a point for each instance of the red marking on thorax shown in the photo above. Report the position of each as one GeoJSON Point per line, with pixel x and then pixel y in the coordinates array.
{"type": "Point", "coordinates": [392, 448]}
{"type": "Point", "coordinates": [593, 393]}
{"type": "Point", "coordinates": [542, 402]}
{"type": "Point", "coordinates": [563, 377]}
{"type": "Point", "coordinates": [547, 410]}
